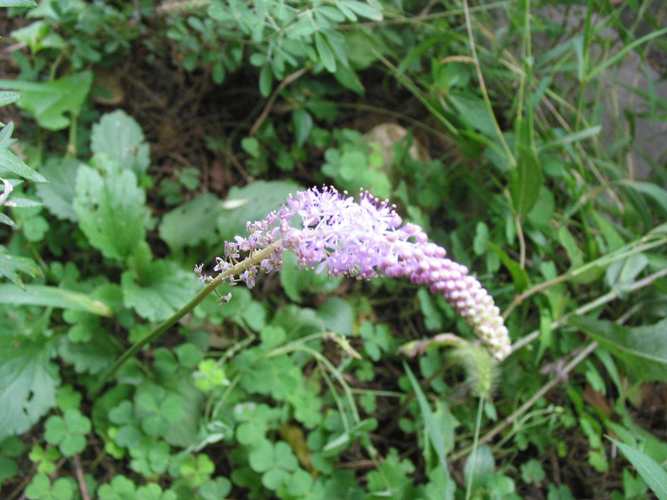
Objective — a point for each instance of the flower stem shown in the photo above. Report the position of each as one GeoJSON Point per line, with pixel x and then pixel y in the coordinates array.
{"type": "Point", "coordinates": [159, 330]}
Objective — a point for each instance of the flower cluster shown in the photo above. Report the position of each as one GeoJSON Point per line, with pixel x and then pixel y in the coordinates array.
{"type": "Point", "coordinates": [332, 232]}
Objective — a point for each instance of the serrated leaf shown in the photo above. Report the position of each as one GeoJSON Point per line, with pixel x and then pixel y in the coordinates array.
{"type": "Point", "coordinates": [192, 223]}
{"type": "Point", "coordinates": [91, 357]}
{"type": "Point", "coordinates": [111, 211]}
{"type": "Point", "coordinates": [158, 289]}
{"type": "Point", "coordinates": [27, 383]}
{"type": "Point", "coordinates": [252, 202]}
{"type": "Point", "coordinates": [651, 472]}
{"type": "Point", "coordinates": [59, 191]}
{"type": "Point", "coordinates": [120, 137]}
{"type": "Point", "coordinates": [48, 102]}
{"type": "Point", "coordinates": [50, 296]}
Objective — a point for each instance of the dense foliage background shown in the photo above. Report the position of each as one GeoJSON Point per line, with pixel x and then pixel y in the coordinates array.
{"type": "Point", "coordinates": [150, 132]}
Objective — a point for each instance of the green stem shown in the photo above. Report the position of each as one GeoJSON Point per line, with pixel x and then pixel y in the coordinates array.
{"type": "Point", "coordinates": [235, 270]}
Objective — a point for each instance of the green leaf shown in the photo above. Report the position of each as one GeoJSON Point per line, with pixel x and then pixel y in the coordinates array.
{"type": "Point", "coordinates": [324, 51]}
{"type": "Point", "coordinates": [48, 102]}
{"type": "Point", "coordinates": [296, 281]}
{"type": "Point", "coordinates": [433, 429]}
{"type": "Point", "coordinates": [190, 224]}
{"type": "Point", "coordinates": [40, 488]}
{"type": "Point", "coordinates": [8, 97]}
{"type": "Point", "coordinates": [658, 194]}
{"type": "Point", "coordinates": [111, 211]}
{"type": "Point", "coordinates": [68, 432]}
{"type": "Point", "coordinates": [120, 488]}
{"type": "Point", "coordinates": [49, 296]}
{"type": "Point", "coordinates": [648, 343]}
{"type": "Point", "coordinates": [58, 192]}
{"type": "Point", "coordinates": [27, 383]}
{"type": "Point", "coordinates": [157, 290]}
{"type": "Point", "coordinates": [526, 179]}
{"type": "Point", "coordinates": [480, 464]}
{"type": "Point", "coordinates": [17, 3]}
{"type": "Point", "coordinates": [91, 357]}
{"type": "Point", "coordinates": [10, 163]}
{"type": "Point", "coordinates": [651, 472]}
{"type": "Point", "coordinates": [362, 9]}
{"type": "Point", "coordinates": [12, 266]}
{"type": "Point", "coordinates": [252, 202]}
{"type": "Point", "coordinates": [303, 124]}
{"type": "Point", "coordinates": [532, 472]}
{"type": "Point", "coordinates": [472, 111]}
{"type": "Point", "coordinates": [120, 137]}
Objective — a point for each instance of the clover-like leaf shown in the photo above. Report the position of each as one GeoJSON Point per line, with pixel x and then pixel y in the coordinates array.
{"type": "Point", "coordinates": [157, 409]}
{"type": "Point", "coordinates": [120, 488]}
{"type": "Point", "coordinates": [40, 488]}
{"type": "Point", "coordinates": [196, 469]}
{"type": "Point", "coordinates": [68, 432]}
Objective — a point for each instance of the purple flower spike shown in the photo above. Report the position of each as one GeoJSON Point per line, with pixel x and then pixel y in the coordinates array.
{"type": "Point", "coordinates": [332, 232]}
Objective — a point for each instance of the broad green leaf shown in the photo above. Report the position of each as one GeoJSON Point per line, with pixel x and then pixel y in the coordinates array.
{"type": "Point", "coordinates": [48, 102]}
{"type": "Point", "coordinates": [93, 356]}
{"type": "Point", "coordinates": [337, 315]}
{"type": "Point", "coordinates": [472, 111]}
{"type": "Point", "coordinates": [27, 383]}
{"type": "Point", "coordinates": [111, 211]}
{"type": "Point", "coordinates": [49, 296]}
{"type": "Point", "coordinates": [192, 223]}
{"type": "Point", "coordinates": [651, 472]}
{"type": "Point", "coordinates": [480, 464]}
{"type": "Point", "coordinates": [59, 191]}
{"type": "Point", "coordinates": [250, 203]}
{"type": "Point", "coordinates": [157, 290]}
{"type": "Point", "coordinates": [120, 137]}
{"type": "Point", "coordinates": [648, 343]}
